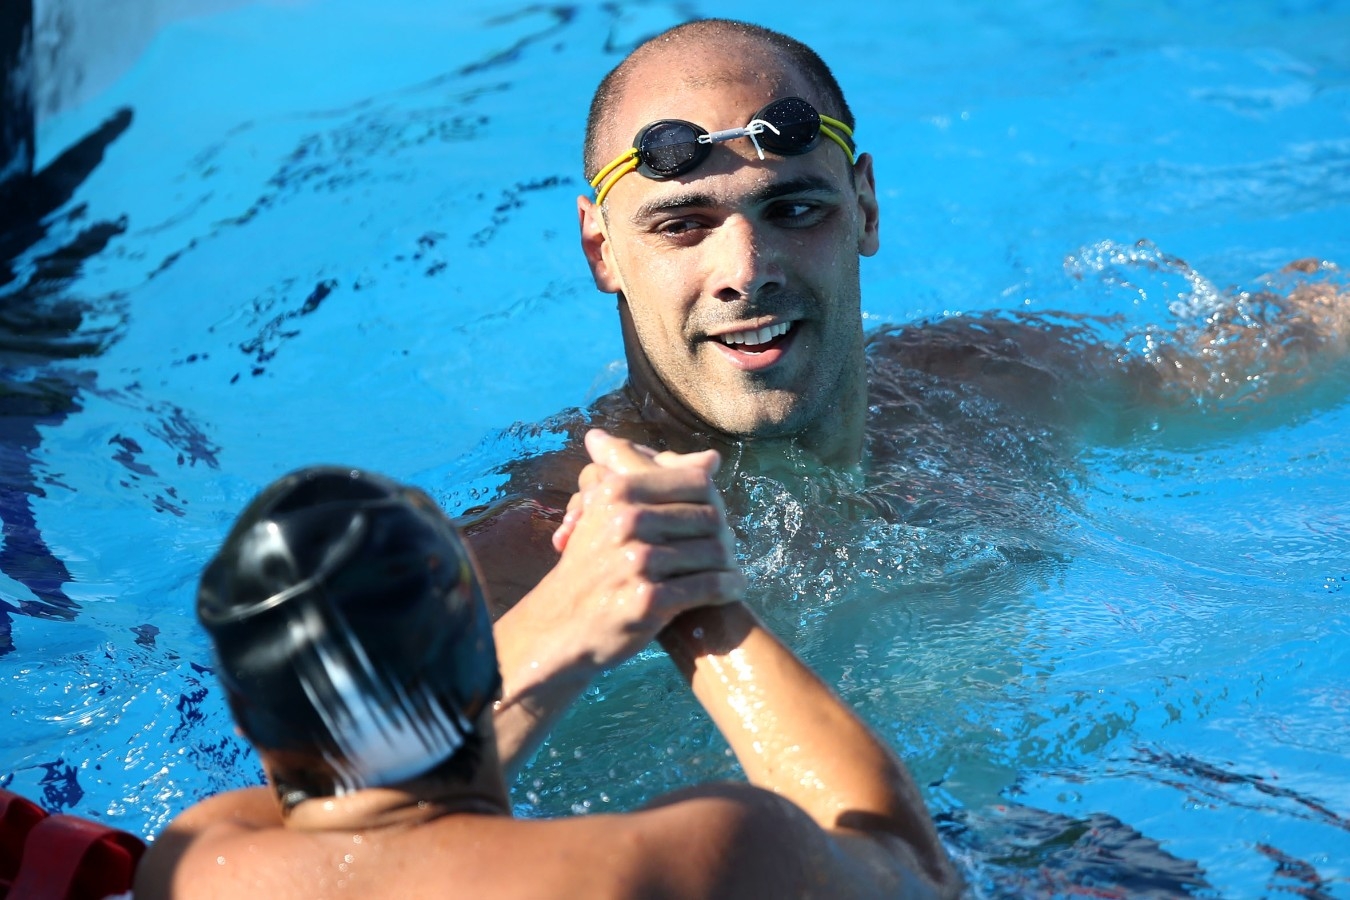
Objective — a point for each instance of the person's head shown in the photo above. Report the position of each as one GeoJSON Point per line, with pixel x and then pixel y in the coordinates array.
{"type": "Point", "coordinates": [738, 274]}
{"type": "Point", "coordinates": [350, 635]}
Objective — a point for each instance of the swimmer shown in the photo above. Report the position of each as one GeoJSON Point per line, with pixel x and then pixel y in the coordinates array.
{"type": "Point", "coordinates": [733, 199]}
{"type": "Point", "coordinates": [356, 652]}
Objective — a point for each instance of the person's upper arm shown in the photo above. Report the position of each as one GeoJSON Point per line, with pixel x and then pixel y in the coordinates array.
{"type": "Point", "coordinates": [512, 538]}
{"type": "Point", "coordinates": [1040, 366]}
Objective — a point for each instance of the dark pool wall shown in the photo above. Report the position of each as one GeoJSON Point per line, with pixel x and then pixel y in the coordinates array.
{"type": "Point", "coordinates": [16, 91]}
{"type": "Point", "coordinates": [43, 333]}
{"type": "Point", "coordinates": [56, 55]}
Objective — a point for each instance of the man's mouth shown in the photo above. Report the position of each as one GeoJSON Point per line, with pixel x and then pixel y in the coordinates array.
{"type": "Point", "coordinates": [756, 349]}
{"type": "Point", "coordinates": [756, 340]}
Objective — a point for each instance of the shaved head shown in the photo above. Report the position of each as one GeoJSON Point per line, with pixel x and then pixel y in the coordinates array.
{"type": "Point", "coordinates": [711, 47]}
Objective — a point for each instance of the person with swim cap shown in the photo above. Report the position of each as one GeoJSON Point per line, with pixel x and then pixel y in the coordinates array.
{"type": "Point", "coordinates": [355, 649]}
{"type": "Point", "coordinates": [349, 633]}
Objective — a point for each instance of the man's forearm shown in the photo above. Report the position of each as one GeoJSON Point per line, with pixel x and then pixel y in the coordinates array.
{"type": "Point", "coordinates": [794, 736]}
{"type": "Point", "coordinates": [540, 680]}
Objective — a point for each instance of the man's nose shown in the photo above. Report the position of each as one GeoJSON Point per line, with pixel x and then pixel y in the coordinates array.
{"type": "Point", "coordinates": [746, 263]}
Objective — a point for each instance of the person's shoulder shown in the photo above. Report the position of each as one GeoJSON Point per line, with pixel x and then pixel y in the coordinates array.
{"type": "Point", "coordinates": [721, 840]}
{"type": "Point", "coordinates": [251, 808]}
{"type": "Point", "coordinates": [706, 844]}
{"type": "Point", "coordinates": [199, 838]}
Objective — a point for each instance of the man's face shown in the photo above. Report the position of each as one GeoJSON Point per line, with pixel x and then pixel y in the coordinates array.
{"type": "Point", "coordinates": [738, 280]}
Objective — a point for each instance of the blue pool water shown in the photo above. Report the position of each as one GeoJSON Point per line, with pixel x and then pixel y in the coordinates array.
{"type": "Point", "coordinates": [344, 232]}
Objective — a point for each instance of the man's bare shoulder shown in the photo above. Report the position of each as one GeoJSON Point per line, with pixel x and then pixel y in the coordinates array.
{"type": "Point", "coordinates": [1042, 365]}
{"type": "Point", "coordinates": [217, 825]}
{"type": "Point", "coordinates": [708, 842]}
{"type": "Point", "coordinates": [549, 477]}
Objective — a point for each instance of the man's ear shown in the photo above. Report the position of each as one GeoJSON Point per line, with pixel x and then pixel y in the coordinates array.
{"type": "Point", "coordinates": [869, 236]}
{"type": "Point", "coordinates": [595, 244]}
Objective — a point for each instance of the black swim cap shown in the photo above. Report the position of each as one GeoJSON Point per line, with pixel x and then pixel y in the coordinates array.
{"type": "Point", "coordinates": [350, 632]}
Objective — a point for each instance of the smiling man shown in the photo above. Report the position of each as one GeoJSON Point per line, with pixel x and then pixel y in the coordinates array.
{"type": "Point", "coordinates": [731, 231]}
{"type": "Point", "coordinates": [730, 228]}
{"type": "Point", "coordinates": [731, 209]}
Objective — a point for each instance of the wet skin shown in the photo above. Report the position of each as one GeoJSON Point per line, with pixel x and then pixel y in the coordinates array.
{"type": "Point", "coordinates": [738, 245]}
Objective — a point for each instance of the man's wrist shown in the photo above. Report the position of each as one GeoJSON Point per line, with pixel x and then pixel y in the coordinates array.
{"type": "Point", "coordinates": [707, 630]}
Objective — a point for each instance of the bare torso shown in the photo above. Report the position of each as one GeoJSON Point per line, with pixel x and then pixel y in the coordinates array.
{"type": "Point", "coordinates": [974, 424]}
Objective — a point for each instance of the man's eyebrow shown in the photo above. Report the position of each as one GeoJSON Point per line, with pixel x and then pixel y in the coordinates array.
{"type": "Point", "coordinates": [694, 199]}
{"type": "Point", "coordinates": [671, 203]}
{"type": "Point", "coordinates": [802, 184]}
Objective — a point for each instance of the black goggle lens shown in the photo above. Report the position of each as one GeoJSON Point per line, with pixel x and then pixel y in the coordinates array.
{"type": "Point", "coordinates": [798, 126]}
{"type": "Point", "coordinates": [671, 147]}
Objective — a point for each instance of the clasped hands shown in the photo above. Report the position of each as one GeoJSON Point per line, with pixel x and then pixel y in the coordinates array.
{"type": "Point", "coordinates": [644, 538]}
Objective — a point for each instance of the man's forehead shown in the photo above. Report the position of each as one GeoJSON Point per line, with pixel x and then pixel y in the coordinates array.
{"type": "Point", "coordinates": [677, 84]}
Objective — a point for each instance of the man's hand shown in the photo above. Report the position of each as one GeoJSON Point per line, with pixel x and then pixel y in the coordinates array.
{"type": "Point", "coordinates": [644, 539]}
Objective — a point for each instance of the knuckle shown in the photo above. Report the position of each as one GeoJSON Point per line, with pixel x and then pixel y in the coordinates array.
{"type": "Point", "coordinates": [641, 555]}
{"type": "Point", "coordinates": [620, 485]}
{"type": "Point", "coordinates": [697, 480]}
{"type": "Point", "coordinates": [647, 596]}
{"type": "Point", "coordinates": [625, 519]}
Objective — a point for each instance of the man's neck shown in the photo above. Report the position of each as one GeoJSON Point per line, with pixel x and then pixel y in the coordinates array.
{"type": "Point", "coordinates": [834, 439]}
{"type": "Point", "coordinates": [413, 803]}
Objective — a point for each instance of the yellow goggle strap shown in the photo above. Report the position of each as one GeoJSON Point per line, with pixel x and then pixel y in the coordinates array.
{"type": "Point", "coordinates": [829, 127]}
{"type": "Point", "coordinates": [621, 166]}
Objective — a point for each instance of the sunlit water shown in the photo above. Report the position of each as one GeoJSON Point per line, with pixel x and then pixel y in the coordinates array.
{"type": "Point", "coordinates": [332, 232]}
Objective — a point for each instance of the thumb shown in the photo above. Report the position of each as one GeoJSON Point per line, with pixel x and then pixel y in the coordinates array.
{"type": "Point", "coordinates": [708, 460]}
{"type": "Point", "coordinates": [623, 457]}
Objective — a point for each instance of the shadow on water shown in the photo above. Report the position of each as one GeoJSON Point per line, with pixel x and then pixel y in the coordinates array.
{"type": "Point", "coordinates": [1028, 852]}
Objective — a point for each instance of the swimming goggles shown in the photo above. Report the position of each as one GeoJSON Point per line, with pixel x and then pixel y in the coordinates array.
{"type": "Point", "coordinates": [669, 148]}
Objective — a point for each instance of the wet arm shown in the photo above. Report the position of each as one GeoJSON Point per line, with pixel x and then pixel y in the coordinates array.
{"type": "Point", "coordinates": [1063, 368]}
{"type": "Point", "coordinates": [795, 738]}
{"type": "Point", "coordinates": [1254, 346]}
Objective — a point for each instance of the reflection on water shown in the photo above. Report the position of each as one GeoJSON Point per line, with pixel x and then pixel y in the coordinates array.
{"type": "Point", "coordinates": [50, 335]}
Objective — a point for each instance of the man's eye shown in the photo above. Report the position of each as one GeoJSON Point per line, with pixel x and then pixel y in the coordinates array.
{"type": "Point", "coordinates": [678, 227]}
{"type": "Point", "coordinates": [797, 213]}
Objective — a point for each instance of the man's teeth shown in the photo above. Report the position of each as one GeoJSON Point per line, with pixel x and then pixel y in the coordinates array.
{"type": "Point", "coordinates": [756, 336]}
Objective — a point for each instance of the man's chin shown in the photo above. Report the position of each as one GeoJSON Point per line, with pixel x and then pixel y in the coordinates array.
{"type": "Point", "coordinates": [761, 422]}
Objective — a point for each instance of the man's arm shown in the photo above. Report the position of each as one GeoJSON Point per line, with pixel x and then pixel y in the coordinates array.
{"type": "Point", "coordinates": [513, 546]}
{"type": "Point", "coordinates": [795, 738]}
{"type": "Point", "coordinates": [640, 547]}
{"type": "Point", "coordinates": [1062, 368]}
